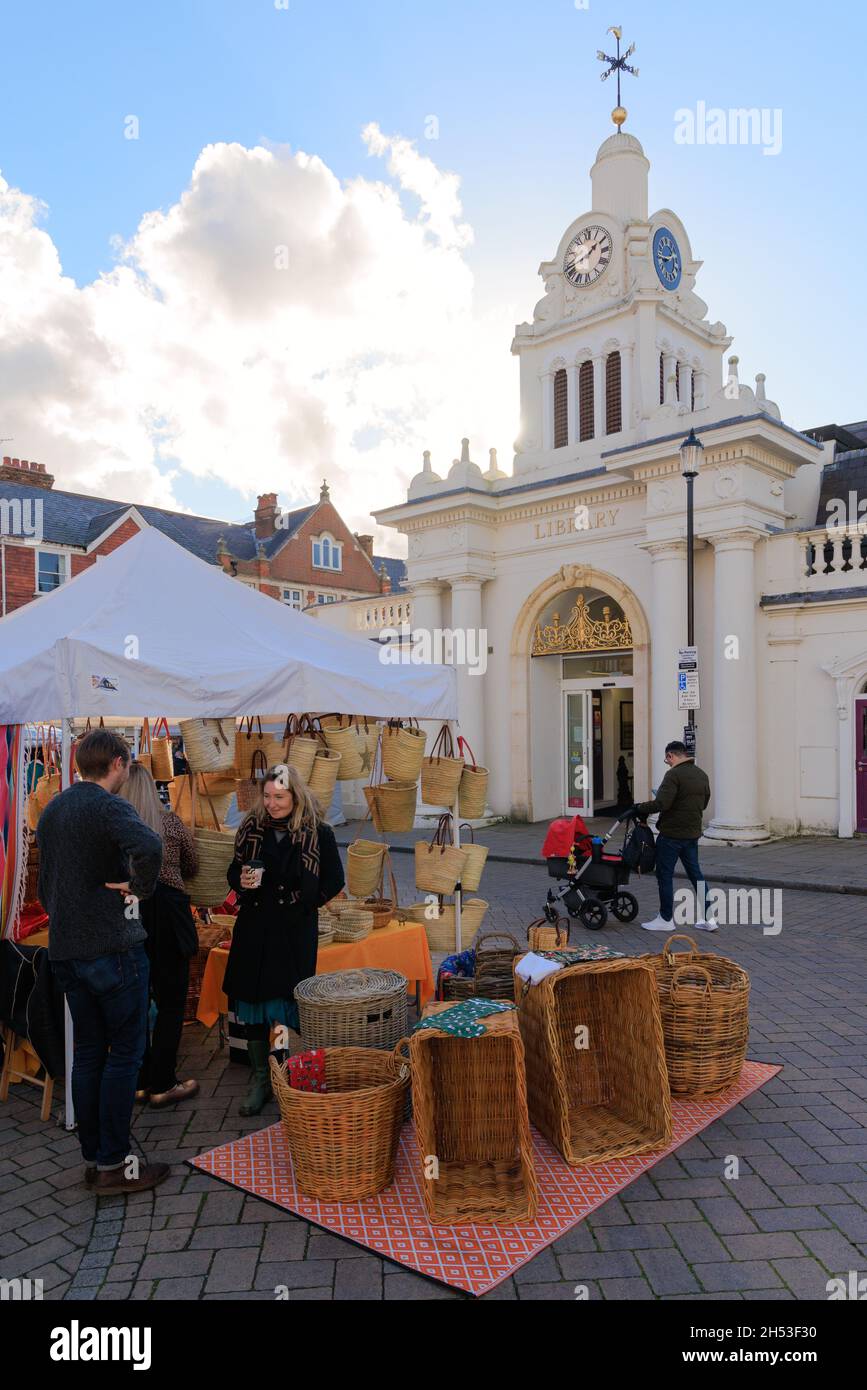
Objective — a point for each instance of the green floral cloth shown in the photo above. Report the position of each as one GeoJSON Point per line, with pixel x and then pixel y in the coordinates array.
{"type": "Point", "coordinates": [462, 1020]}
{"type": "Point", "coordinates": [576, 954]}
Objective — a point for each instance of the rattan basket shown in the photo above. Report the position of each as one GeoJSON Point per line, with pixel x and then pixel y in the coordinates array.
{"type": "Point", "coordinates": [324, 774]}
{"type": "Point", "coordinates": [353, 1008]}
{"type": "Point", "coordinates": [392, 805]}
{"type": "Point", "coordinates": [402, 752]}
{"type": "Point", "coordinates": [474, 863]}
{"type": "Point", "coordinates": [343, 1141]}
{"type": "Point", "coordinates": [610, 1098]}
{"type": "Point", "coordinates": [440, 929]}
{"type": "Point", "coordinates": [496, 953]}
{"type": "Point", "coordinates": [543, 935]}
{"type": "Point", "coordinates": [341, 735]}
{"type": "Point", "coordinates": [704, 1002]}
{"type": "Point", "coordinates": [353, 925]}
{"type": "Point", "coordinates": [209, 886]}
{"type": "Point", "coordinates": [470, 1103]}
{"type": "Point", "coordinates": [365, 861]}
{"type": "Point", "coordinates": [209, 744]}
{"type": "Point", "coordinates": [438, 867]}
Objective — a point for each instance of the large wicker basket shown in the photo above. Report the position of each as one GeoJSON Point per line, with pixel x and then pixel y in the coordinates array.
{"type": "Point", "coordinates": [472, 1128]}
{"type": "Point", "coordinates": [392, 805]}
{"type": "Point", "coordinates": [353, 1008]}
{"type": "Point", "coordinates": [365, 863]}
{"type": "Point", "coordinates": [496, 953]}
{"type": "Point", "coordinates": [209, 744]}
{"type": "Point", "coordinates": [341, 735]}
{"type": "Point", "coordinates": [402, 752]}
{"type": "Point", "coordinates": [324, 775]}
{"type": "Point", "coordinates": [704, 1001]}
{"type": "Point", "coordinates": [610, 1098]}
{"type": "Point", "coordinates": [441, 772]}
{"type": "Point", "coordinates": [343, 1141]}
{"type": "Point", "coordinates": [440, 929]}
{"type": "Point", "coordinates": [215, 848]}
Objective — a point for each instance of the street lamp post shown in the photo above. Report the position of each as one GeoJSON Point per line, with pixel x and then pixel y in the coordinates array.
{"type": "Point", "coordinates": [691, 453]}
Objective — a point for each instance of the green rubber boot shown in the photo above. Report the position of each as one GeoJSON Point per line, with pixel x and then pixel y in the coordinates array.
{"type": "Point", "coordinates": [259, 1092]}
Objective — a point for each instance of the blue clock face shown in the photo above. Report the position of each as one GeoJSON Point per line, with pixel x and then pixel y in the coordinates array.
{"type": "Point", "coordinates": [667, 258]}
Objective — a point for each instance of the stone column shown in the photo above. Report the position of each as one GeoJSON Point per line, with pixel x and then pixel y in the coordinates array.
{"type": "Point", "coordinates": [667, 635]}
{"type": "Point", "coordinates": [669, 377]}
{"type": "Point", "coordinates": [547, 410]}
{"type": "Point", "coordinates": [427, 605]}
{"type": "Point", "coordinates": [467, 624]}
{"type": "Point", "coordinates": [572, 402]}
{"type": "Point", "coordinates": [735, 689]}
{"type": "Point", "coordinates": [598, 396]}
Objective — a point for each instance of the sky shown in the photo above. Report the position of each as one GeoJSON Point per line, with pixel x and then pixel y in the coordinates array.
{"type": "Point", "coordinates": [248, 244]}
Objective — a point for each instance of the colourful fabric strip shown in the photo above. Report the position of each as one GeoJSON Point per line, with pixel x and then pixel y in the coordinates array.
{"type": "Point", "coordinates": [13, 827]}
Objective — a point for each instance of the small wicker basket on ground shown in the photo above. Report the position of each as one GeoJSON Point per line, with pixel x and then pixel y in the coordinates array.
{"type": "Point", "coordinates": [704, 1001]}
{"type": "Point", "coordinates": [353, 1008]}
{"type": "Point", "coordinates": [496, 953]}
{"type": "Point", "coordinates": [343, 1141]}
{"type": "Point", "coordinates": [602, 1094]}
{"type": "Point", "coordinates": [470, 1103]}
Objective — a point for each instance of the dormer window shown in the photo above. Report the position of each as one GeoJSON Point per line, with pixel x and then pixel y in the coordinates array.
{"type": "Point", "coordinates": [327, 553]}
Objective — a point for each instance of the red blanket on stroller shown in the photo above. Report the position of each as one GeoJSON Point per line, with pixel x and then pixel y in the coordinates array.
{"type": "Point", "coordinates": [563, 833]}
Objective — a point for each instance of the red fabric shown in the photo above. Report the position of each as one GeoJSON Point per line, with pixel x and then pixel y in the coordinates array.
{"type": "Point", "coordinates": [306, 1071]}
{"type": "Point", "coordinates": [562, 834]}
{"type": "Point", "coordinates": [230, 906]}
{"type": "Point", "coordinates": [33, 918]}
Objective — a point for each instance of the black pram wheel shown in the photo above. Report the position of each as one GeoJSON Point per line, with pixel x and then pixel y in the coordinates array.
{"type": "Point", "coordinates": [593, 914]}
{"type": "Point", "coordinates": [624, 906]}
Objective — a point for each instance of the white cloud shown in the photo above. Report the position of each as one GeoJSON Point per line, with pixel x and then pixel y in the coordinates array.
{"type": "Point", "coordinates": [272, 327]}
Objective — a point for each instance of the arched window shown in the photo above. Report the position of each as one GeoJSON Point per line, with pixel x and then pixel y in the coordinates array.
{"type": "Point", "coordinates": [327, 553]}
{"type": "Point", "coordinates": [561, 410]}
{"type": "Point", "coordinates": [585, 401]}
{"type": "Point", "coordinates": [661, 379]}
{"type": "Point", "coordinates": [613, 410]}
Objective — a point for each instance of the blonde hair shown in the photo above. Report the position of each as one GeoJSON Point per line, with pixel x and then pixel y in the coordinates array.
{"type": "Point", "coordinates": [307, 812]}
{"type": "Point", "coordinates": [141, 792]}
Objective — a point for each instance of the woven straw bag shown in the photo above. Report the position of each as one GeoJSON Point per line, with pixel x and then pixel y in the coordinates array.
{"type": "Point", "coordinates": [473, 786]}
{"type": "Point", "coordinates": [143, 756]}
{"type": "Point", "coordinates": [496, 953]}
{"type": "Point", "coordinates": [365, 861]}
{"type": "Point", "coordinates": [704, 1002]}
{"type": "Point", "coordinates": [324, 775]}
{"type": "Point", "coordinates": [440, 928]}
{"type": "Point", "coordinates": [439, 864]}
{"type": "Point", "coordinates": [353, 924]}
{"type": "Point", "coordinates": [216, 849]}
{"type": "Point", "coordinates": [474, 863]}
{"type": "Point", "coordinates": [249, 789]}
{"type": "Point", "coordinates": [249, 741]}
{"type": "Point", "coordinates": [441, 772]}
{"type": "Point", "coordinates": [162, 764]}
{"type": "Point", "coordinates": [402, 751]}
{"type": "Point", "coordinates": [300, 743]}
{"type": "Point", "coordinates": [543, 935]}
{"type": "Point", "coordinates": [392, 805]}
{"type": "Point", "coordinates": [49, 783]}
{"type": "Point", "coordinates": [211, 807]}
{"type": "Point", "coordinates": [341, 735]}
{"type": "Point", "coordinates": [207, 745]}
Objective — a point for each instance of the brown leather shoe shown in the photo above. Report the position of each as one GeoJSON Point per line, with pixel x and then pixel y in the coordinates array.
{"type": "Point", "coordinates": [113, 1182]}
{"type": "Point", "coordinates": [90, 1174]}
{"type": "Point", "coordinates": [182, 1090]}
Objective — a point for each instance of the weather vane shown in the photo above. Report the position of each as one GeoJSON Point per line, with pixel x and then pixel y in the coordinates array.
{"type": "Point", "coordinates": [618, 65]}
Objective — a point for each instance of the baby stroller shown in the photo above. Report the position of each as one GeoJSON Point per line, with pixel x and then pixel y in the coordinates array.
{"type": "Point", "coordinates": [591, 880]}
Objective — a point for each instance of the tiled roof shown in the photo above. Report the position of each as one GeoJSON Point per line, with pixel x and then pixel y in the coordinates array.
{"type": "Point", "coordinates": [848, 473]}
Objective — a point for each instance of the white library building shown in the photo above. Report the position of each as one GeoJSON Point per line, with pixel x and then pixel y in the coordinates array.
{"type": "Point", "coordinates": [575, 564]}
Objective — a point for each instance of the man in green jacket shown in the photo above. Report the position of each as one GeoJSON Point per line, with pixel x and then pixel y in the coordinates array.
{"type": "Point", "coordinates": [680, 801]}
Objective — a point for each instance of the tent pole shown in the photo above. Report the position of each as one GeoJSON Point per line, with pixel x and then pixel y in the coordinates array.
{"type": "Point", "coordinates": [68, 1104]}
{"type": "Point", "coordinates": [457, 839]}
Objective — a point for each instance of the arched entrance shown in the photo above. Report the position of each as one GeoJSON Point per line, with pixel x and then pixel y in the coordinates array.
{"type": "Point", "coordinates": [558, 695]}
{"type": "Point", "coordinates": [850, 676]}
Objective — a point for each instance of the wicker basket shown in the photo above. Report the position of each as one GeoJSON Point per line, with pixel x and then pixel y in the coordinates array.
{"type": "Point", "coordinates": [473, 786]}
{"type": "Point", "coordinates": [704, 1002]}
{"type": "Point", "coordinates": [496, 953]}
{"type": "Point", "coordinates": [354, 924]}
{"type": "Point", "coordinates": [326, 928]}
{"type": "Point", "coordinates": [440, 929]}
{"type": "Point", "coordinates": [210, 934]}
{"type": "Point", "coordinates": [543, 935]}
{"type": "Point", "coordinates": [209, 744]}
{"type": "Point", "coordinates": [438, 867]}
{"type": "Point", "coordinates": [216, 849]}
{"type": "Point", "coordinates": [299, 745]}
{"type": "Point", "coordinates": [611, 1098]}
{"type": "Point", "coordinates": [343, 1142]}
{"type": "Point", "coordinates": [248, 790]}
{"type": "Point", "coordinates": [365, 861]}
{"type": "Point", "coordinates": [324, 774]}
{"type": "Point", "coordinates": [382, 910]}
{"type": "Point", "coordinates": [143, 756]}
{"type": "Point", "coordinates": [353, 1008]}
{"type": "Point", "coordinates": [470, 1102]}
{"type": "Point", "coordinates": [249, 741]}
{"type": "Point", "coordinates": [162, 762]}
{"type": "Point", "coordinates": [458, 987]}
{"type": "Point", "coordinates": [476, 856]}
{"type": "Point", "coordinates": [441, 772]}
{"type": "Point", "coordinates": [392, 805]}
{"type": "Point", "coordinates": [402, 752]}
{"type": "Point", "coordinates": [210, 805]}
{"type": "Point", "coordinates": [341, 735]}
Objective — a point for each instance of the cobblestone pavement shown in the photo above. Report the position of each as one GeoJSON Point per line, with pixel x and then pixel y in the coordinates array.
{"type": "Point", "coordinates": [795, 1217]}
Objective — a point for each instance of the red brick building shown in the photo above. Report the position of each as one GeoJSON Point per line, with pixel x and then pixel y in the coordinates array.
{"type": "Point", "coordinates": [302, 558]}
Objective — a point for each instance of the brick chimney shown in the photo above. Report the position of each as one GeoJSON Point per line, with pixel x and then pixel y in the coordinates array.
{"type": "Point", "coordinates": [20, 471]}
{"type": "Point", "coordinates": [366, 543]}
{"type": "Point", "coordinates": [384, 580]}
{"type": "Point", "coordinates": [266, 515]}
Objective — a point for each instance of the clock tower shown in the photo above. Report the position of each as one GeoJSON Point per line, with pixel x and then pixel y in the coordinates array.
{"type": "Point", "coordinates": [620, 345]}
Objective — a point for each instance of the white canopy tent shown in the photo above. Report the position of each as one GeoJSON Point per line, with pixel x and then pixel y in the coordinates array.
{"type": "Point", "coordinates": [153, 630]}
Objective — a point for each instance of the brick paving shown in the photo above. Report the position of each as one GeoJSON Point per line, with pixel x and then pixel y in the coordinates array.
{"type": "Point", "coordinates": [795, 1216]}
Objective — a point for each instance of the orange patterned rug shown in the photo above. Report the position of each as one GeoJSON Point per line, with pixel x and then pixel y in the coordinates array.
{"type": "Point", "coordinates": [472, 1258]}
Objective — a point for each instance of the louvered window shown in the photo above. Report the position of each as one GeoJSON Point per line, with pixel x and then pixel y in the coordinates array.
{"type": "Point", "coordinates": [561, 410]}
{"type": "Point", "coordinates": [613, 412]}
{"type": "Point", "coordinates": [677, 378]}
{"type": "Point", "coordinates": [692, 391]}
{"type": "Point", "coordinates": [661, 380]}
{"type": "Point", "coordinates": [585, 400]}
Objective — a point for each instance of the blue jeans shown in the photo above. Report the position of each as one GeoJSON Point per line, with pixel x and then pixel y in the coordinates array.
{"type": "Point", "coordinates": [108, 1000]}
{"type": "Point", "coordinates": [668, 852]}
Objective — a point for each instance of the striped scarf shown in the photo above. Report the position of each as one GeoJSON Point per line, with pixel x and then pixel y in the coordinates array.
{"type": "Point", "coordinates": [251, 837]}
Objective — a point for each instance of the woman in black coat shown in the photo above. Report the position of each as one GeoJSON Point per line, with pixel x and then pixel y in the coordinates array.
{"type": "Point", "coordinates": [286, 866]}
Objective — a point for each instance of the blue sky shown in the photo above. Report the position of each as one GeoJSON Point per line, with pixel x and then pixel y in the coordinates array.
{"type": "Point", "coordinates": [515, 88]}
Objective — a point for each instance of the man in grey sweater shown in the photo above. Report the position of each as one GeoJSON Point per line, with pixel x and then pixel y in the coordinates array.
{"type": "Point", "coordinates": [97, 859]}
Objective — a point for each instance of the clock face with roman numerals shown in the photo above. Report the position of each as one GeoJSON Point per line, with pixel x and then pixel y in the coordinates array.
{"type": "Point", "coordinates": [588, 256]}
{"type": "Point", "coordinates": [667, 258]}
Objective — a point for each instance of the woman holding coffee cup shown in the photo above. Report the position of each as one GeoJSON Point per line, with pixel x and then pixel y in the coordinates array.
{"type": "Point", "coordinates": [286, 866]}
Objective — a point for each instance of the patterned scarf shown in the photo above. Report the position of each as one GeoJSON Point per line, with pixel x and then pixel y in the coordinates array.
{"type": "Point", "coordinates": [251, 837]}
{"type": "Point", "coordinates": [13, 827]}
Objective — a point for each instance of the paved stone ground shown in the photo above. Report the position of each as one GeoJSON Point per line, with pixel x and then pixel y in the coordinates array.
{"type": "Point", "coordinates": [795, 1217]}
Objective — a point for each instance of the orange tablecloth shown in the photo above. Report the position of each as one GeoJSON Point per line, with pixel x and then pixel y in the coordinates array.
{"type": "Point", "coordinates": [401, 947]}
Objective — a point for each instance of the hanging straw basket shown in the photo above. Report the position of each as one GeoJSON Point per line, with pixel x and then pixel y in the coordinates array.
{"type": "Point", "coordinates": [474, 862]}
{"type": "Point", "coordinates": [162, 764]}
{"type": "Point", "coordinates": [392, 805]}
{"type": "Point", "coordinates": [343, 1142]}
{"type": "Point", "coordinates": [438, 867]}
{"type": "Point", "coordinates": [299, 745]}
{"type": "Point", "coordinates": [365, 862]}
{"type": "Point", "coordinates": [473, 787]}
{"type": "Point", "coordinates": [249, 789]}
{"type": "Point", "coordinates": [324, 774]}
{"type": "Point", "coordinates": [250, 740]}
{"type": "Point", "coordinates": [208, 744]}
{"type": "Point", "coordinates": [208, 804]}
{"type": "Point", "coordinates": [402, 752]}
{"type": "Point", "coordinates": [704, 1002]}
{"type": "Point", "coordinates": [441, 772]}
{"type": "Point", "coordinates": [384, 909]}
{"type": "Point", "coordinates": [341, 735]}
{"type": "Point", "coordinates": [143, 756]}
{"type": "Point", "coordinates": [216, 849]}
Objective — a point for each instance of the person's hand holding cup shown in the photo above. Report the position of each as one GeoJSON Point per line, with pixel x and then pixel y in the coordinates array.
{"type": "Point", "coordinates": [251, 874]}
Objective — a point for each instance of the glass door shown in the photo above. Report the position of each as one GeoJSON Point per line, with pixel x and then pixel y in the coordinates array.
{"type": "Point", "coordinates": [861, 765]}
{"type": "Point", "coordinates": [578, 716]}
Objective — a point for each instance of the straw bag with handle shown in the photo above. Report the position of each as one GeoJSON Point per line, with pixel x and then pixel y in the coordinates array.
{"type": "Point", "coordinates": [210, 804]}
{"type": "Point", "coordinates": [249, 789]}
{"type": "Point", "coordinates": [364, 866]}
{"type": "Point", "coordinates": [49, 783]}
{"type": "Point", "coordinates": [391, 804]}
{"type": "Point", "coordinates": [543, 935]}
{"type": "Point", "coordinates": [473, 786]}
{"type": "Point", "coordinates": [207, 745]}
{"type": "Point", "coordinates": [439, 865]}
{"type": "Point", "coordinates": [476, 855]}
{"type": "Point", "coordinates": [441, 772]}
{"type": "Point", "coordinates": [143, 756]}
{"type": "Point", "coordinates": [215, 849]}
{"type": "Point", "coordinates": [342, 736]}
{"type": "Point", "coordinates": [249, 740]}
{"type": "Point", "coordinates": [324, 775]}
{"type": "Point", "coordinates": [402, 751]}
{"type": "Point", "coordinates": [301, 742]}
{"type": "Point", "coordinates": [162, 763]}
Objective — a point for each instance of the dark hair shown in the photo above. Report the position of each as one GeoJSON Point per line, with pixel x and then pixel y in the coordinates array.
{"type": "Point", "coordinates": [97, 751]}
{"type": "Point", "coordinates": [677, 747]}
